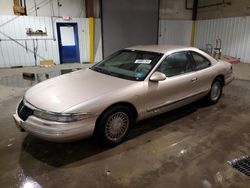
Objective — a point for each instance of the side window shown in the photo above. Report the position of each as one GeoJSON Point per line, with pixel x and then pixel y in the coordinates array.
{"type": "Point", "coordinates": [175, 64]}
{"type": "Point", "coordinates": [200, 61]}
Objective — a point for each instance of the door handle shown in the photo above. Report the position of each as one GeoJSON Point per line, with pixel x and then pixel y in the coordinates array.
{"type": "Point", "coordinates": [194, 79]}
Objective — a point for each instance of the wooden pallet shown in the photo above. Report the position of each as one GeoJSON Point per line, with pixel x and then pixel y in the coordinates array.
{"type": "Point", "coordinates": [230, 59]}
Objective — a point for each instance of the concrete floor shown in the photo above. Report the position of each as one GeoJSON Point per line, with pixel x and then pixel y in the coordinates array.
{"type": "Point", "coordinates": [188, 147]}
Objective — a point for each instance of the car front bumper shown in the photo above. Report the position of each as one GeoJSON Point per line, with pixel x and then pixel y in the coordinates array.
{"type": "Point", "coordinates": [56, 131]}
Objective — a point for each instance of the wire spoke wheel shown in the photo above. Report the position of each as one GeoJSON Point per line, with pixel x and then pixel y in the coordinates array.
{"type": "Point", "coordinates": [117, 126]}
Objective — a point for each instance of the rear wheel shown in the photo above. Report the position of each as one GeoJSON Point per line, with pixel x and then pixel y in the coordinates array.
{"type": "Point", "coordinates": [113, 126]}
{"type": "Point", "coordinates": [215, 92]}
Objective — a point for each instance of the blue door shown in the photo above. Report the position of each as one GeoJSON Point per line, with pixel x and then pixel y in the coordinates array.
{"type": "Point", "coordinates": [68, 42]}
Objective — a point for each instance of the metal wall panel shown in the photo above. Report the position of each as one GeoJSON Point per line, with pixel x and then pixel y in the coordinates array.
{"type": "Point", "coordinates": [98, 40]}
{"type": "Point", "coordinates": [128, 23]}
{"type": "Point", "coordinates": [15, 53]}
{"type": "Point", "coordinates": [234, 33]}
{"type": "Point", "coordinates": [176, 32]}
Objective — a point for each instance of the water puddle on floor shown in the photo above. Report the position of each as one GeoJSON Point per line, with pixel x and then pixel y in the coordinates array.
{"type": "Point", "coordinates": [24, 80]}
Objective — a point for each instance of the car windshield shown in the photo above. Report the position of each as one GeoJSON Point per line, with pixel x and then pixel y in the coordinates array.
{"type": "Point", "coordinates": [128, 64]}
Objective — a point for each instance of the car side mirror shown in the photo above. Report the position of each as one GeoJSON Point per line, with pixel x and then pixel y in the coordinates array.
{"type": "Point", "coordinates": [157, 76]}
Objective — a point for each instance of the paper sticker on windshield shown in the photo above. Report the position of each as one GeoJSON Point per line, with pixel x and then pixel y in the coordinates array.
{"type": "Point", "coordinates": [143, 61]}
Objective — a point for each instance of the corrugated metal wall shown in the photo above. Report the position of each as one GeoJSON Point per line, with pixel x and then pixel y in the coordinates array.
{"type": "Point", "coordinates": [20, 52]}
{"type": "Point", "coordinates": [13, 53]}
{"type": "Point", "coordinates": [234, 33]}
{"type": "Point", "coordinates": [175, 32]}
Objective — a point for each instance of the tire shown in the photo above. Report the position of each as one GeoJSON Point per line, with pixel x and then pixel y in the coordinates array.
{"type": "Point", "coordinates": [113, 125]}
{"type": "Point", "coordinates": [215, 92]}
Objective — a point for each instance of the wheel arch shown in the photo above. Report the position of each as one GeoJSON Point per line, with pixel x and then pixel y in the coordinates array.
{"type": "Point", "coordinates": [221, 77]}
{"type": "Point", "coordinates": [126, 104]}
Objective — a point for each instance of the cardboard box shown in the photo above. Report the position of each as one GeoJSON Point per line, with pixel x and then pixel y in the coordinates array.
{"type": "Point", "coordinates": [47, 63]}
{"type": "Point", "coordinates": [16, 2]}
{"type": "Point", "coordinates": [18, 9]}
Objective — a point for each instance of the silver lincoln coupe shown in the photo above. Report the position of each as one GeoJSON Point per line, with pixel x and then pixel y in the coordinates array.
{"type": "Point", "coordinates": [131, 85]}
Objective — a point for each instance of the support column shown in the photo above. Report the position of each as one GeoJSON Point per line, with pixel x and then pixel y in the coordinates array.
{"type": "Point", "coordinates": [91, 39]}
{"type": "Point", "coordinates": [193, 33]}
{"type": "Point", "coordinates": [90, 15]}
{"type": "Point", "coordinates": [194, 18]}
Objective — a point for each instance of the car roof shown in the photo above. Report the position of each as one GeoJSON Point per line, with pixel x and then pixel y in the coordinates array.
{"type": "Point", "coordinates": [160, 48]}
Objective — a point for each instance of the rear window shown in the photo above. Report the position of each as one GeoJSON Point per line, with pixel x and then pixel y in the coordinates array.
{"type": "Point", "coordinates": [200, 61]}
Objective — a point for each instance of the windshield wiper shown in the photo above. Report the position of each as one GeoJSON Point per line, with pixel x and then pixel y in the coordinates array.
{"type": "Point", "coordinates": [104, 71]}
{"type": "Point", "coordinates": [97, 69]}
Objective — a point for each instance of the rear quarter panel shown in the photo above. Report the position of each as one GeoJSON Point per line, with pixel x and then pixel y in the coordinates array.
{"type": "Point", "coordinates": [219, 68]}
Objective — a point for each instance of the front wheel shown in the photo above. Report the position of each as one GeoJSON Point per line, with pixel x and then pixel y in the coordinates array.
{"type": "Point", "coordinates": [113, 125]}
{"type": "Point", "coordinates": [215, 92]}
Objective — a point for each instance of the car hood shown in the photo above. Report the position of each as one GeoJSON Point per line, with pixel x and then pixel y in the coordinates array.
{"type": "Point", "coordinates": [62, 92]}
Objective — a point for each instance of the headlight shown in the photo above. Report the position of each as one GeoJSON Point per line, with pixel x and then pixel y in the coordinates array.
{"type": "Point", "coordinates": [61, 117]}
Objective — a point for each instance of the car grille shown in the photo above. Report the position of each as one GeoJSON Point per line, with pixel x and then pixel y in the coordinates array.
{"type": "Point", "coordinates": [23, 111]}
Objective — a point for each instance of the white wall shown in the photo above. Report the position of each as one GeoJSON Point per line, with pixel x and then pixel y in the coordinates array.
{"type": "Point", "coordinates": [73, 8]}
{"type": "Point", "coordinates": [12, 53]}
{"type": "Point", "coordinates": [98, 41]}
{"type": "Point", "coordinates": [234, 33]}
{"type": "Point", "coordinates": [176, 32]}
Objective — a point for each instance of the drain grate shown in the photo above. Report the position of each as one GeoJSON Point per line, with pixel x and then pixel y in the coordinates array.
{"type": "Point", "coordinates": [242, 164]}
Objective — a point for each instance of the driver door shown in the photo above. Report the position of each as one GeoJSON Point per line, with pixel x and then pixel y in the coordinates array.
{"type": "Point", "coordinates": [179, 87]}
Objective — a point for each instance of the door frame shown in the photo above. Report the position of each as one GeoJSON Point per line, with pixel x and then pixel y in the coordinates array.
{"type": "Point", "coordinates": [75, 27]}
{"type": "Point", "coordinates": [167, 105]}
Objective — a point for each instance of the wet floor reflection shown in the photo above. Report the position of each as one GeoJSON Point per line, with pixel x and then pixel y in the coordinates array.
{"type": "Point", "coordinates": [30, 162]}
{"type": "Point", "coordinates": [25, 80]}
{"type": "Point", "coordinates": [28, 182]}
{"type": "Point", "coordinates": [61, 154]}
